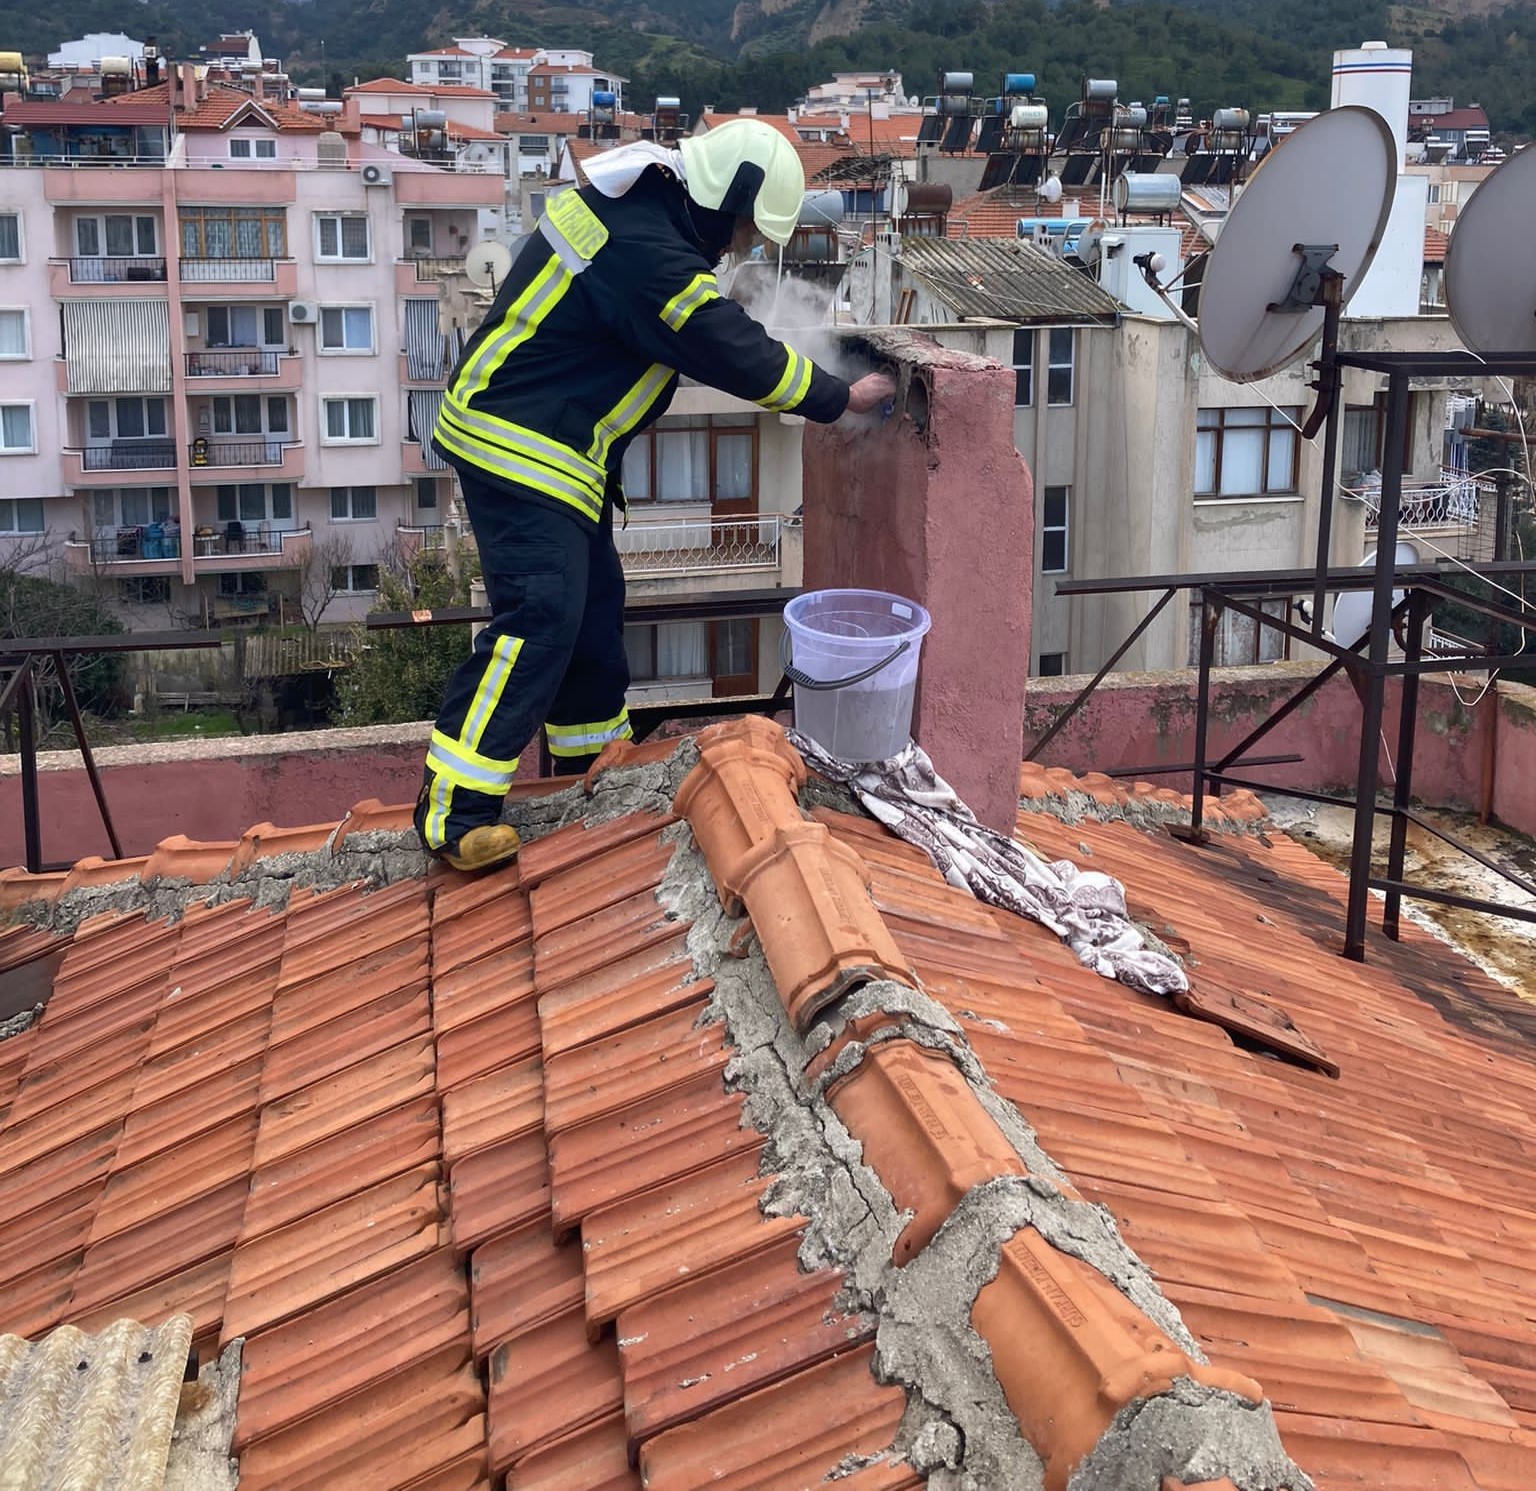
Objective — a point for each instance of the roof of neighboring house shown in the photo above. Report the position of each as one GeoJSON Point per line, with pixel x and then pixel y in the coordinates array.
{"type": "Point", "coordinates": [575, 1165]}
{"type": "Point", "coordinates": [135, 110]}
{"type": "Point", "coordinates": [447, 52]}
{"type": "Point", "coordinates": [442, 90]}
{"type": "Point", "coordinates": [1006, 280]}
{"type": "Point", "coordinates": [562, 69]}
{"type": "Point", "coordinates": [516, 54]}
{"type": "Point", "coordinates": [1435, 245]}
{"type": "Point", "coordinates": [509, 123]}
{"type": "Point", "coordinates": [992, 214]}
{"type": "Point", "coordinates": [1467, 118]}
{"type": "Point", "coordinates": [224, 107]}
{"type": "Point", "coordinates": [471, 132]}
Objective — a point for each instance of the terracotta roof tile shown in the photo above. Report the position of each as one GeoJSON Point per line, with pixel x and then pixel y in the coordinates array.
{"type": "Point", "coordinates": [483, 987]}
{"type": "Point", "coordinates": [597, 1459]}
{"type": "Point", "coordinates": [623, 989]}
{"type": "Point", "coordinates": [360, 1032]}
{"type": "Point", "coordinates": [576, 846]}
{"type": "Point", "coordinates": [504, 1104]}
{"type": "Point", "coordinates": [521, 1279]}
{"type": "Point", "coordinates": [499, 1189]}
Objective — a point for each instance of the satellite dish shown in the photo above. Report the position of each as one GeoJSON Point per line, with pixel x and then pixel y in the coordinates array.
{"type": "Point", "coordinates": [1490, 275]}
{"type": "Point", "coordinates": [1049, 190]}
{"type": "Point", "coordinates": [487, 264]}
{"type": "Point", "coordinates": [1352, 608]}
{"type": "Point", "coordinates": [1327, 193]}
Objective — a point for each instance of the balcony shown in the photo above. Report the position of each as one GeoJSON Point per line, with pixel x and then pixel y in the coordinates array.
{"type": "Point", "coordinates": [242, 363]}
{"type": "Point", "coordinates": [414, 273]}
{"type": "Point", "coordinates": [149, 549]}
{"type": "Point", "coordinates": [112, 270]}
{"type": "Point", "coordinates": [227, 547]}
{"type": "Point", "coordinates": [95, 463]}
{"type": "Point", "coordinates": [1454, 502]}
{"type": "Point", "coordinates": [219, 454]}
{"type": "Point", "coordinates": [656, 549]}
{"type": "Point", "coordinates": [274, 279]}
{"type": "Point", "coordinates": [417, 538]}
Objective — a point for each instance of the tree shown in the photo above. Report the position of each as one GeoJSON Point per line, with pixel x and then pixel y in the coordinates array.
{"type": "Point", "coordinates": [401, 675]}
{"type": "Point", "coordinates": [323, 576]}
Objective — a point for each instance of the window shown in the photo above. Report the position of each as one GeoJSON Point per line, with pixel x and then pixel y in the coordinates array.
{"type": "Point", "coordinates": [536, 203]}
{"type": "Point", "coordinates": [144, 590]}
{"type": "Point", "coordinates": [21, 515]}
{"type": "Point", "coordinates": [243, 583]}
{"type": "Point", "coordinates": [346, 328]}
{"type": "Point", "coordinates": [1240, 640]}
{"type": "Point", "coordinates": [252, 149]}
{"type": "Point", "coordinates": [341, 235]}
{"type": "Point", "coordinates": [10, 236]}
{"type": "Point", "coordinates": [1245, 452]}
{"type": "Point", "coordinates": [130, 418]}
{"type": "Point", "coordinates": [116, 235]}
{"type": "Point", "coordinates": [14, 342]}
{"type": "Point", "coordinates": [16, 430]}
{"type": "Point", "coordinates": [426, 493]}
{"type": "Point", "coordinates": [255, 502]}
{"type": "Point", "coordinates": [354, 579]}
{"type": "Point", "coordinates": [1023, 369]}
{"type": "Point", "coordinates": [449, 70]}
{"type": "Point", "coordinates": [418, 235]}
{"type": "Point", "coordinates": [1052, 665]}
{"type": "Point", "coordinates": [1054, 545]}
{"type": "Point", "coordinates": [250, 414]}
{"type": "Point", "coordinates": [694, 458]}
{"type": "Point", "coordinates": [246, 326]}
{"type": "Point", "coordinates": [354, 504]}
{"type": "Point", "coordinates": [233, 233]}
{"type": "Point", "coordinates": [1059, 367]}
{"type": "Point", "coordinates": [350, 419]}
{"type": "Point", "coordinates": [533, 144]}
{"type": "Point", "coordinates": [131, 507]}
{"type": "Point", "coordinates": [671, 650]}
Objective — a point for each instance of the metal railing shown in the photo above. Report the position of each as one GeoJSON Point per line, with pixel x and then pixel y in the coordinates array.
{"type": "Point", "coordinates": [129, 544]}
{"type": "Point", "coordinates": [426, 535]}
{"type": "Point", "coordinates": [228, 271]}
{"type": "Point", "coordinates": [114, 270]}
{"type": "Point", "coordinates": [129, 455]}
{"type": "Point", "coordinates": [656, 547]}
{"type": "Point", "coordinates": [237, 452]}
{"type": "Point", "coordinates": [244, 362]}
{"type": "Point", "coordinates": [227, 539]}
{"type": "Point", "coordinates": [1454, 501]}
{"type": "Point", "coordinates": [34, 158]}
{"type": "Point", "coordinates": [431, 269]}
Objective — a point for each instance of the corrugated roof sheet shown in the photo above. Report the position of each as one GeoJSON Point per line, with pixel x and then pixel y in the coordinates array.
{"type": "Point", "coordinates": [469, 1123]}
{"type": "Point", "coordinates": [1006, 281]}
{"type": "Point", "coordinates": [84, 1411]}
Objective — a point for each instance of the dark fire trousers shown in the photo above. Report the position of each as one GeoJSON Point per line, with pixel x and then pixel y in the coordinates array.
{"type": "Point", "coordinates": [553, 654]}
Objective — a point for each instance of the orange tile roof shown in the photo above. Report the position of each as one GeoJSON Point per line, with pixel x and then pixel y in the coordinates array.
{"type": "Point", "coordinates": [992, 214]}
{"type": "Point", "coordinates": [223, 103]}
{"type": "Point", "coordinates": [1435, 245]}
{"type": "Point", "coordinates": [550, 123]}
{"type": "Point", "coordinates": [525, 1173]}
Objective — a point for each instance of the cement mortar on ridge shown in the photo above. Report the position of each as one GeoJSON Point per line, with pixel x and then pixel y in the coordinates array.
{"type": "Point", "coordinates": [925, 1340]}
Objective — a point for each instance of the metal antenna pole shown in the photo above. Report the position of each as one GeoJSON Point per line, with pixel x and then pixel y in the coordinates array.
{"type": "Point", "coordinates": [1328, 385]}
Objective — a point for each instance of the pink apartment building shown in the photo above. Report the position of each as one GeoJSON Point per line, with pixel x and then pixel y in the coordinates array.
{"type": "Point", "coordinates": [220, 353]}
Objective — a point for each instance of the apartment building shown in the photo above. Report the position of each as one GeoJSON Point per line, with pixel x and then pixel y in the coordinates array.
{"type": "Point", "coordinates": [222, 350]}
{"type": "Point", "coordinates": [523, 79]}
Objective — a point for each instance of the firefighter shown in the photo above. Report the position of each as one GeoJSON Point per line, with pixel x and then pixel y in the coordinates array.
{"type": "Point", "coordinates": [611, 298]}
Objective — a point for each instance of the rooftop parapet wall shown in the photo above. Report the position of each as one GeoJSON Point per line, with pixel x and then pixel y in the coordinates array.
{"type": "Point", "coordinates": [934, 503]}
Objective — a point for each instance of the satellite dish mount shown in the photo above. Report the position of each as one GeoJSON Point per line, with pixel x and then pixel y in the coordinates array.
{"type": "Point", "coordinates": [1318, 283]}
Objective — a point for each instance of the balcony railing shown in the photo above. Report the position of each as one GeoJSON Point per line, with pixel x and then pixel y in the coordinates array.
{"type": "Point", "coordinates": [237, 452]}
{"type": "Point", "coordinates": [234, 539]}
{"type": "Point", "coordinates": [428, 270]}
{"type": "Point", "coordinates": [243, 362]}
{"type": "Point", "coordinates": [659, 547]}
{"type": "Point", "coordinates": [228, 271]}
{"type": "Point", "coordinates": [129, 455]}
{"type": "Point", "coordinates": [1452, 502]}
{"type": "Point", "coordinates": [421, 535]}
{"type": "Point", "coordinates": [125, 545]}
{"type": "Point", "coordinates": [113, 270]}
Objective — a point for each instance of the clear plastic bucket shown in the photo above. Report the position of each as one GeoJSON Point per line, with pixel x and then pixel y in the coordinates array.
{"type": "Point", "coordinates": [854, 667]}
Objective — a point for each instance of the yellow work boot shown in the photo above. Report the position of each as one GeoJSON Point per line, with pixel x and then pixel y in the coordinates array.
{"type": "Point", "coordinates": [483, 848]}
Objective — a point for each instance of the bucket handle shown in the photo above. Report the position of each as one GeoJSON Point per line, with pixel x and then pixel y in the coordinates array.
{"type": "Point", "coordinates": [794, 675]}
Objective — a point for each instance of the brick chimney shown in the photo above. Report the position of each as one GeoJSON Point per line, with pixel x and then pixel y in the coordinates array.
{"type": "Point", "coordinates": [936, 504]}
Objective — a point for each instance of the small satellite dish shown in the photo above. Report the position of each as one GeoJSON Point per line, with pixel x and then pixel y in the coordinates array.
{"type": "Point", "coordinates": [487, 264]}
{"type": "Point", "coordinates": [1049, 190]}
{"type": "Point", "coordinates": [1321, 202]}
{"type": "Point", "coordinates": [1490, 274]}
{"type": "Point", "coordinates": [1352, 608]}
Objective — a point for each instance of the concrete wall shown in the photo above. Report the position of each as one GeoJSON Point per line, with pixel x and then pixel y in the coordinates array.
{"type": "Point", "coordinates": [1148, 719]}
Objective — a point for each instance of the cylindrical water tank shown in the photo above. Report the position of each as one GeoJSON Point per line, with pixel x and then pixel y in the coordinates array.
{"type": "Point", "coordinates": [1147, 191]}
{"type": "Point", "coordinates": [929, 198]}
{"type": "Point", "coordinates": [431, 119]}
{"type": "Point", "coordinates": [957, 82]}
{"type": "Point", "coordinates": [310, 94]}
{"type": "Point", "coordinates": [1125, 141]}
{"type": "Point", "coordinates": [1133, 116]}
{"type": "Point", "coordinates": [322, 106]}
{"type": "Point", "coordinates": [1018, 82]}
{"type": "Point", "coordinates": [1379, 77]}
{"type": "Point", "coordinates": [1099, 90]}
{"type": "Point", "coordinates": [1161, 101]}
{"type": "Point", "coordinates": [1029, 116]}
{"type": "Point", "coordinates": [821, 209]}
{"type": "Point", "coordinates": [11, 63]}
{"type": "Point", "coordinates": [812, 245]}
{"type": "Point", "coordinates": [1230, 119]}
{"type": "Point", "coordinates": [115, 67]}
{"type": "Point", "coordinates": [603, 99]}
{"type": "Point", "coordinates": [668, 101]}
{"type": "Point", "coordinates": [953, 106]}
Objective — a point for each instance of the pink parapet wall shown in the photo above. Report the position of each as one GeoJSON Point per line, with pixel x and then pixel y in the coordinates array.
{"type": "Point", "coordinates": [1148, 719]}
{"type": "Point", "coordinates": [936, 504]}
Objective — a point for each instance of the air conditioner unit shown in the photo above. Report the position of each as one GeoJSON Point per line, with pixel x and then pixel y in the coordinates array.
{"type": "Point", "coordinates": [376, 175]}
{"type": "Point", "coordinates": [303, 312]}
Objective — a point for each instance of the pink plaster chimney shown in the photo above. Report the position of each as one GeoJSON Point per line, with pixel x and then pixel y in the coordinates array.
{"type": "Point", "coordinates": [937, 505]}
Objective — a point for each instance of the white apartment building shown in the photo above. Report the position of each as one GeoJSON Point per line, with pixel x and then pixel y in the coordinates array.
{"type": "Point", "coordinates": [523, 79]}
{"type": "Point", "coordinates": [222, 353]}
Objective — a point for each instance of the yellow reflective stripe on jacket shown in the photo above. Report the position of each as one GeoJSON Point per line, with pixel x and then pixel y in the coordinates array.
{"type": "Point", "coordinates": [503, 659]}
{"type": "Point", "coordinates": [701, 289]}
{"type": "Point", "coordinates": [504, 432]}
{"type": "Point", "coordinates": [463, 767]}
{"type": "Point", "coordinates": [629, 411]}
{"type": "Point", "coordinates": [513, 467]}
{"type": "Point", "coordinates": [588, 740]}
{"type": "Point", "coordinates": [793, 386]}
{"type": "Point", "coordinates": [523, 317]}
{"type": "Point", "coordinates": [576, 223]}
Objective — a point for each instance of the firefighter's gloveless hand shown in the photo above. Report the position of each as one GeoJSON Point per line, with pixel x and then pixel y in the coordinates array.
{"type": "Point", "coordinates": [870, 392]}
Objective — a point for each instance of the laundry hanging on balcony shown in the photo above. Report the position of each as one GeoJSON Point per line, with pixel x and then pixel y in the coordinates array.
{"type": "Point", "coordinates": [425, 404]}
{"type": "Point", "coordinates": [117, 346]}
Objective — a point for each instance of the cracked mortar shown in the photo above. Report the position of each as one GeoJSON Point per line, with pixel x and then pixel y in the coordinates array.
{"type": "Point", "coordinates": [957, 1428]}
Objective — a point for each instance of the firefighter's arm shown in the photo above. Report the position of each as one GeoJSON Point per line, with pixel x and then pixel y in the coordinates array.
{"type": "Point", "coordinates": [682, 321]}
